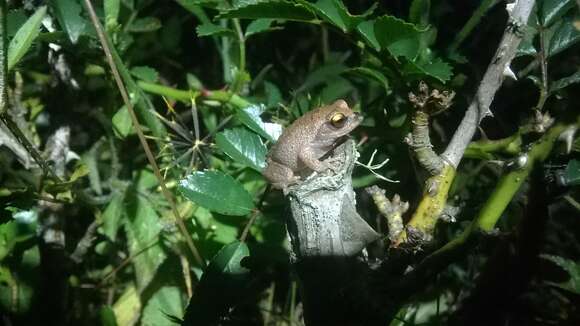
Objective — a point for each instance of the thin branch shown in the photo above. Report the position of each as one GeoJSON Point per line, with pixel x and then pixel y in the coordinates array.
{"type": "Point", "coordinates": [4, 116]}
{"type": "Point", "coordinates": [85, 243]}
{"type": "Point", "coordinates": [3, 58]}
{"type": "Point", "coordinates": [139, 130]}
{"type": "Point", "coordinates": [492, 80]}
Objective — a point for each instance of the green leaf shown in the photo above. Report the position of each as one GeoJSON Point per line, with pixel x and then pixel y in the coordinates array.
{"type": "Point", "coordinates": [112, 215]}
{"type": "Point", "coordinates": [419, 12]}
{"type": "Point", "coordinates": [122, 124]}
{"type": "Point", "coordinates": [336, 88]}
{"type": "Point", "coordinates": [142, 227]}
{"type": "Point", "coordinates": [250, 116]}
{"type": "Point", "coordinates": [366, 30]}
{"type": "Point", "coordinates": [572, 173]}
{"type": "Point", "coordinates": [573, 269]}
{"type": "Point", "coordinates": [371, 74]}
{"type": "Point", "coordinates": [274, 96]}
{"type": "Point", "coordinates": [399, 38]}
{"type": "Point", "coordinates": [112, 9]}
{"type": "Point", "coordinates": [217, 192]}
{"type": "Point", "coordinates": [193, 5]}
{"type": "Point", "coordinates": [322, 75]}
{"type": "Point", "coordinates": [165, 302]}
{"type": "Point", "coordinates": [128, 307]}
{"type": "Point", "coordinates": [14, 20]}
{"type": "Point", "coordinates": [68, 13]}
{"type": "Point", "coordinates": [437, 69]}
{"type": "Point", "coordinates": [107, 316]}
{"type": "Point", "coordinates": [259, 26]}
{"type": "Point", "coordinates": [213, 29]}
{"type": "Point", "coordinates": [564, 35]}
{"type": "Point", "coordinates": [274, 9]}
{"type": "Point", "coordinates": [222, 285]}
{"type": "Point", "coordinates": [552, 10]}
{"type": "Point", "coordinates": [21, 228]}
{"type": "Point", "coordinates": [526, 46]}
{"type": "Point", "coordinates": [145, 73]}
{"type": "Point", "coordinates": [23, 39]}
{"type": "Point", "coordinates": [565, 82]}
{"type": "Point", "coordinates": [145, 25]}
{"type": "Point", "coordinates": [330, 11]}
{"type": "Point", "coordinates": [244, 147]}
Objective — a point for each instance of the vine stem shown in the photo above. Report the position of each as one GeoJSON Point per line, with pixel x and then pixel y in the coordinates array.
{"type": "Point", "coordinates": [140, 134]}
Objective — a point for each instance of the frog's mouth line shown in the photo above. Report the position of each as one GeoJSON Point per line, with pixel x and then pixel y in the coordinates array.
{"type": "Point", "coordinates": [336, 143]}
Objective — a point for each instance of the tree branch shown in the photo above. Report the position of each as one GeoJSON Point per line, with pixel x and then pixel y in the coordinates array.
{"type": "Point", "coordinates": [492, 80]}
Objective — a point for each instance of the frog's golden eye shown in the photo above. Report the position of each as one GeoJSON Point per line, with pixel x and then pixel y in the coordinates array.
{"type": "Point", "coordinates": [338, 120]}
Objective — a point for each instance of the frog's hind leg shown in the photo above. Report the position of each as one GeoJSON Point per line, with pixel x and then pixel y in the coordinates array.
{"type": "Point", "coordinates": [280, 176]}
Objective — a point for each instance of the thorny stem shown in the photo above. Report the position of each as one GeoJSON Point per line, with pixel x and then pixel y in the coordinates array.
{"type": "Point", "coordinates": [544, 69]}
{"type": "Point", "coordinates": [139, 130]}
{"type": "Point", "coordinates": [3, 59]}
{"type": "Point", "coordinates": [492, 80]}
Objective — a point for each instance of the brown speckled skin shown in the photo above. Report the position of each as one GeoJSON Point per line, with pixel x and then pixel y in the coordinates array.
{"type": "Point", "coordinates": [303, 143]}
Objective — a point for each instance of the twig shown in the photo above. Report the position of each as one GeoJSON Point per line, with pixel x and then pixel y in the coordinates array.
{"type": "Point", "coordinates": [85, 243]}
{"type": "Point", "coordinates": [6, 119]}
{"type": "Point", "coordinates": [139, 130]}
{"type": "Point", "coordinates": [492, 80]}
{"type": "Point", "coordinates": [3, 58]}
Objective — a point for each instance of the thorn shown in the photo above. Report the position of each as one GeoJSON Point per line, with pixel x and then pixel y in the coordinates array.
{"type": "Point", "coordinates": [509, 7]}
{"type": "Point", "coordinates": [507, 72]}
{"type": "Point", "coordinates": [567, 136]}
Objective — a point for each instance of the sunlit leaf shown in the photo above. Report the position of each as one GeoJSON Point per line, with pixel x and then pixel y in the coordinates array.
{"type": "Point", "coordinates": [217, 192]}
{"type": "Point", "coordinates": [112, 8]}
{"type": "Point", "coordinates": [112, 216]}
{"type": "Point", "coordinates": [564, 35]}
{"type": "Point", "coordinates": [142, 227]}
{"type": "Point", "coordinates": [243, 146]}
{"type": "Point", "coordinates": [23, 39]}
{"type": "Point", "coordinates": [128, 307]}
{"type": "Point", "coordinates": [122, 124]}
{"type": "Point", "coordinates": [68, 13]}
{"type": "Point", "coordinates": [552, 10]}
{"type": "Point", "coordinates": [166, 302]}
{"type": "Point", "coordinates": [250, 116]}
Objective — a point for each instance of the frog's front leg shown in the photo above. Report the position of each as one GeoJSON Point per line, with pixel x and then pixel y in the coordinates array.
{"type": "Point", "coordinates": [279, 175]}
{"type": "Point", "coordinates": [309, 157]}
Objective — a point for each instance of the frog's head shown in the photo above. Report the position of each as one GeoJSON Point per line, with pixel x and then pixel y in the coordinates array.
{"type": "Point", "coordinates": [339, 121]}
